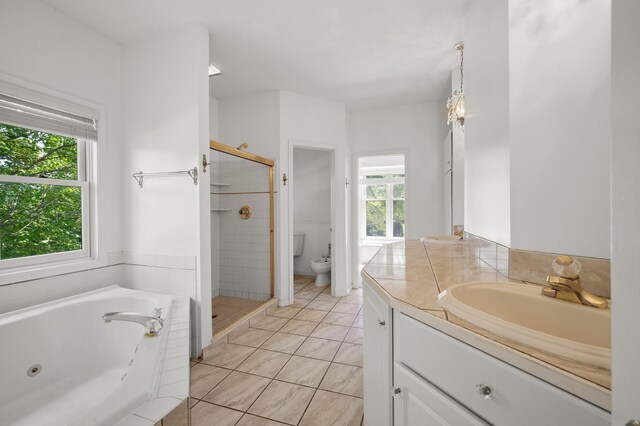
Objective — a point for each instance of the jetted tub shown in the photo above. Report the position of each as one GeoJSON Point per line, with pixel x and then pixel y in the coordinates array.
{"type": "Point", "coordinates": [61, 364]}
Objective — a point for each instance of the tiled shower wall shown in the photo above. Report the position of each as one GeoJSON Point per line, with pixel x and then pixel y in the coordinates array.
{"type": "Point", "coordinates": [241, 254]}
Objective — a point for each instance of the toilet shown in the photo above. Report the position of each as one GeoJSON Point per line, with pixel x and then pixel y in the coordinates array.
{"type": "Point", "coordinates": [298, 243]}
{"type": "Point", "coordinates": [322, 267]}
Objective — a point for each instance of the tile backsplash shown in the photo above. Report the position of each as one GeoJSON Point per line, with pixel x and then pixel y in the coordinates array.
{"type": "Point", "coordinates": [534, 267]}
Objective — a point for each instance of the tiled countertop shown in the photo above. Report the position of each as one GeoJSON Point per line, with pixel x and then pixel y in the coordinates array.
{"type": "Point", "coordinates": [409, 275]}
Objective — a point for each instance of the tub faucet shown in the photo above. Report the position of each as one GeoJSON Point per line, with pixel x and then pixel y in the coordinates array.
{"type": "Point", "coordinates": [567, 286]}
{"type": "Point", "coordinates": [152, 323]}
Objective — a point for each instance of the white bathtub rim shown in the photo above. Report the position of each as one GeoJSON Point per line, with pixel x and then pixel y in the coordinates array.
{"type": "Point", "coordinates": [165, 396]}
{"type": "Point", "coordinates": [34, 309]}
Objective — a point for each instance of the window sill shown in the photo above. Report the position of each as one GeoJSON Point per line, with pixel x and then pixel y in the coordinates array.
{"type": "Point", "coordinates": [34, 272]}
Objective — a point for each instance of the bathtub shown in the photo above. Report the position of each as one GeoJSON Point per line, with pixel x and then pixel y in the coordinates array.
{"type": "Point", "coordinates": [61, 364]}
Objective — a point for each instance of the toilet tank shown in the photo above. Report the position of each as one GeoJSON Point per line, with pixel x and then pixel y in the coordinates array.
{"type": "Point", "coordinates": [298, 242]}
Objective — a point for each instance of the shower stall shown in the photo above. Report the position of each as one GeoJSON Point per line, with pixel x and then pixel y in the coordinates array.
{"type": "Point", "coordinates": [242, 233]}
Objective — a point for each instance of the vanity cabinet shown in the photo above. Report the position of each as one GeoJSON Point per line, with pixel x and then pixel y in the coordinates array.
{"type": "Point", "coordinates": [418, 402]}
{"type": "Point", "coordinates": [431, 378]}
{"type": "Point", "coordinates": [377, 359]}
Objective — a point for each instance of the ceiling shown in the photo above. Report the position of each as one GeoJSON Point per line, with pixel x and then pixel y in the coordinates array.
{"type": "Point", "coordinates": [364, 53]}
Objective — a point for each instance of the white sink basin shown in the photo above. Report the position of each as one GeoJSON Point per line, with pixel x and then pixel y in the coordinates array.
{"type": "Point", "coordinates": [520, 313]}
{"type": "Point", "coordinates": [442, 239]}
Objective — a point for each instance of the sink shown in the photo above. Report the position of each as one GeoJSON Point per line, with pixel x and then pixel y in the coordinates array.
{"type": "Point", "coordinates": [520, 313]}
{"type": "Point", "coordinates": [442, 239]}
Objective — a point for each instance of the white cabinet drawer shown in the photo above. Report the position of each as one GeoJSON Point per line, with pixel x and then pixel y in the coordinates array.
{"type": "Point", "coordinates": [457, 369]}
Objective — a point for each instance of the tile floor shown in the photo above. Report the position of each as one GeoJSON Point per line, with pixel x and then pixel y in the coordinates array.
{"type": "Point", "coordinates": [228, 310]}
{"type": "Point", "coordinates": [298, 365]}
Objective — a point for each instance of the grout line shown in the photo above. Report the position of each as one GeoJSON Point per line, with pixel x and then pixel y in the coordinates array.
{"type": "Point", "coordinates": [291, 355]}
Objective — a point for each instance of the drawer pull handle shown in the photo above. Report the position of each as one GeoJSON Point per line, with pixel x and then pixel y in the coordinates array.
{"type": "Point", "coordinates": [381, 323]}
{"type": "Point", "coordinates": [397, 391]}
{"type": "Point", "coordinates": [484, 391]}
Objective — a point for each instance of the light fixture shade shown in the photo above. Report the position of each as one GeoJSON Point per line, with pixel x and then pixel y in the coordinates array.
{"type": "Point", "coordinates": [455, 102]}
{"type": "Point", "coordinates": [213, 70]}
{"type": "Point", "coordinates": [455, 108]}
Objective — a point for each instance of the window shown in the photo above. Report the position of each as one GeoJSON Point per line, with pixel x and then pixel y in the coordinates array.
{"type": "Point", "coordinates": [382, 206]}
{"type": "Point", "coordinates": [44, 185]}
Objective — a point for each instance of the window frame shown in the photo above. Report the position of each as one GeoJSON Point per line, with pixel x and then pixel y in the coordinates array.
{"type": "Point", "coordinates": [389, 199]}
{"type": "Point", "coordinates": [84, 182]}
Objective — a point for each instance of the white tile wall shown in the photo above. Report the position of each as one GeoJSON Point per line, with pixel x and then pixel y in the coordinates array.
{"type": "Point", "coordinates": [174, 275]}
{"type": "Point", "coordinates": [28, 293]}
{"type": "Point", "coordinates": [241, 251]}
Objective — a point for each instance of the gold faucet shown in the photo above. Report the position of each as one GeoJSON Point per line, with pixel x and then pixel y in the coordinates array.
{"type": "Point", "coordinates": [458, 231]}
{"type": "Point", "coordinates": [567, 286]}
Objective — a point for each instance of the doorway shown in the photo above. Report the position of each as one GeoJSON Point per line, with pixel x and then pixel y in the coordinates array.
{"type": "Point", "coordinates": [311, 216]}
{"type": "Point", "coordinates": [380, 205]}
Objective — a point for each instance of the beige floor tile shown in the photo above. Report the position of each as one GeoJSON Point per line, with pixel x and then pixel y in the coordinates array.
{"type": "Point", "coordinates": [282, 342]}
{"type": "Point", "coordinates": [318, 348]}
{"type": "Point", "coordinates": [344, 379]}
{"type": "Point", "coordinates": [226, 355]}
{"type": "Point", "coordinates": [228, 310]}
{"type": "Point", "coordinates": [267, 322]}
{"type": "Point", "coordinates": [251, 337]}
{"type": "Point", "coordinates": [327, 297]}
{"type": "Point", "coordinates": [205, 414]}
{"type": "Point", "coordinates": [204, 378]}
{"type": "Point", "coordinates": [355, 335]}
{"type": "Point", "coordinates": [346, 308]}
{"type": "Point", "coordinates": [249, 420]}
{"type": "Point", "coordinates": [284, 312]}
{"type": "Point", "coordinates": [359, 322]}
{"type": "Point", "coordinates": [330, 332]}
{"type": "Point", "coordinates": [303, 279]}
{"type": "Point", "coordinates": [303, 371]}
{"type": "Point", "coordinates": [309, 293]}
{"type": "Point", "coordinates": [300, 303]}
{"type": "Point", "coordinates": [193, 401]}
{"type": "Point", "coordinates": [237, 391]}
{"type": "Point", "coordinates": [283, 402]}
{"type": "Point", "coordinates": [352, 298]}
{"type": "Point", "coordinates": [320, 305]}
{"type": "Point", "coordinates": [328, 408]}
{"type": "Point", "coordinates": [349, 354]}
{"type": "Point", "coordinates": [302, 328]}
{"type": "Point", "coordinates": [310, 315]}
{"type": "Point", "coordinates": [338, 318]}
{"type": "Point", "coordinates": [264, 363]}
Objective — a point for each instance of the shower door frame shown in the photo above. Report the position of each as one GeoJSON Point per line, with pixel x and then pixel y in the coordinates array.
{"type": "Point", "coordinates": [226, 149]}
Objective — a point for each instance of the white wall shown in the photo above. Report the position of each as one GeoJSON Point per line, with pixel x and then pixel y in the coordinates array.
{"type": "Point", "coordinates": [486, 167]}
{"type": "Point", "coordinates": [48, 53]}
{"type": "Point", "coordinates": [214, 133]}
{"type": "Point", "coordinates": [166, 127]}
{"type": "Point", "coordinates": [253, 119]}
{"type": "Point", "coordinates": [559, 72]}
{"type": "Point", "coordinates": [311, 183]}
{"type": "Point", "coordinates": [418, 131]}
{"type": "Point", "coordinates": [270, 123]}
{"type": "Point", "coordinates": [457, 164]}
{"type": "Point", "coordinates": [625, 197]}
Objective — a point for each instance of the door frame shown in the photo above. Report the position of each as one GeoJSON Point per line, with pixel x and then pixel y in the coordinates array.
{"type": "Point", "coordinates": [319, 146]}
{"type": "Point", "coordinates": [355, 202]}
